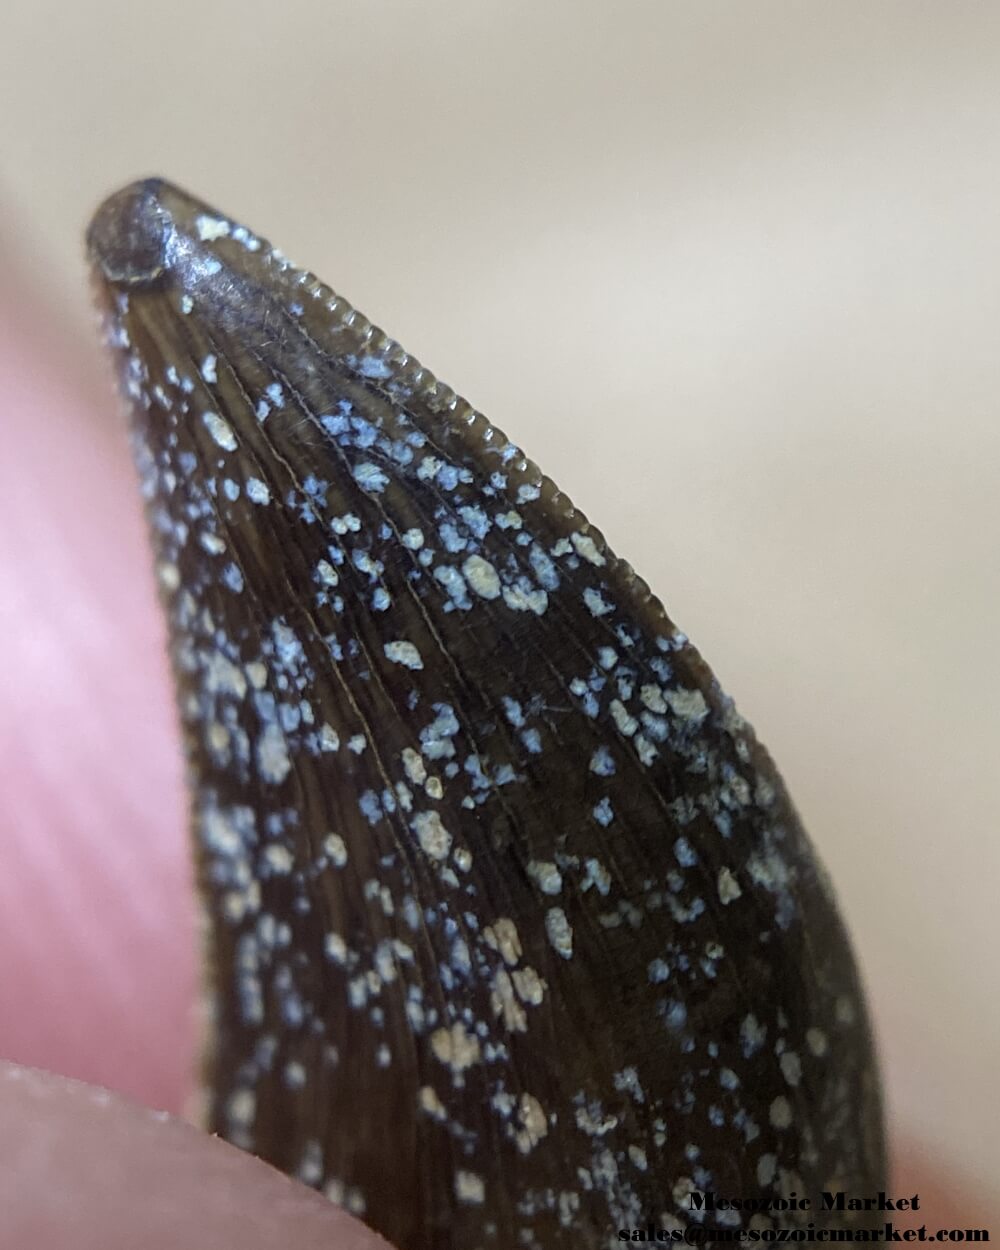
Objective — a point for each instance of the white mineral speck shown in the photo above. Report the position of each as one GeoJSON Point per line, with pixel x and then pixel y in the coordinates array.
{"type": "Point", "coordinates": [780, 1112]}
{"type": "Point", "coordinates": [272, 755]}
{"type": "Point", "coordinates": [405, 653]}
{"type": "Point", "coordinates": [336, 948]}
{"type": "Point", "coordinates": [258, 491]}
{"type": "Point", "coordinates": [431, 1103]}
{"type": "Point", "coordinates": [729, 887]}
{"type": "Point", "coordinates": [414, 766]}
{"type": "Point", "coordinates": [435, 840]}
{"type": "Point", "coordinates": [816, 1041]}
{"type": "Point", "coordinates": [560, 932]}
{"type": "Point", "coordinates": [336, 849]}
{"type": "Point", "coordinates": [546, 876]}
{"type": "Point", "coordinates": [220, 430]}
{"type": "Point", "coordinates": [211, 228]}
{"type": "Point", "coordinates": [502, 936]}
{"type": "Point", "coordinates": [455, 1047]}
{"type": "Point", "coordinates": [791, 1067]}
{"type": "Point", "coordinates": [690, 705]}
{"type": "Point", "coordinates": [469, 1188]}
{"type": "Point", "coordinates": [482, 577]}
{"type": "Point", "coordinates": [534, 1125]}
{"type": "Point", "coordinates": [587, 548]}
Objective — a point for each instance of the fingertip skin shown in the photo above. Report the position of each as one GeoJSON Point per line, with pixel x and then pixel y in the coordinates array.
{"type": "Point", "coordinates": [82, 1169]}
{"type": "Point", "coordinates": [98, 918]}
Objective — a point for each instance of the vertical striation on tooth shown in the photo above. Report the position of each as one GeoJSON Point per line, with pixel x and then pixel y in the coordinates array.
{"type": "Point", "coordinates": [515, 937]}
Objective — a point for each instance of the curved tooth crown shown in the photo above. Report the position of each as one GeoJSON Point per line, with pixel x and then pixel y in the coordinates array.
{"type": "Point", "coordinates": [515, 938]}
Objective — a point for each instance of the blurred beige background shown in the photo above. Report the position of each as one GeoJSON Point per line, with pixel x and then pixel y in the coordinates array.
{"type": "Point", "coordinates": [731, 274]}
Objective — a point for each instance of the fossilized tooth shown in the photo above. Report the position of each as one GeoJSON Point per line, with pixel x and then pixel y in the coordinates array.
{"type": "Point", "coordinates": [515, 937]}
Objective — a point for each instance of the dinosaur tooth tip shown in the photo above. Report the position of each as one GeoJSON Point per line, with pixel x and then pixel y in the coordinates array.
{"type": "Point", "coordinates": [128, 238]}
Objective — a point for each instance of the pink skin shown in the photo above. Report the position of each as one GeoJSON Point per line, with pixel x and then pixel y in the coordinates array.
{"type": "Point", "coordinates": [81, 1168]}
{"type": "Point", "coordinates": [97, 910]}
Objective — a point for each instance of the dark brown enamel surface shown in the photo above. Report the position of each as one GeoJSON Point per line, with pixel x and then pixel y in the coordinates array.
{"type": "Point", "coordinates": [515, 937]}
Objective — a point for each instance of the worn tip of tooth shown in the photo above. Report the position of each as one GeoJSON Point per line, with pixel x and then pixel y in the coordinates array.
{"type": "Point", "coordinates": [129, 235]}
